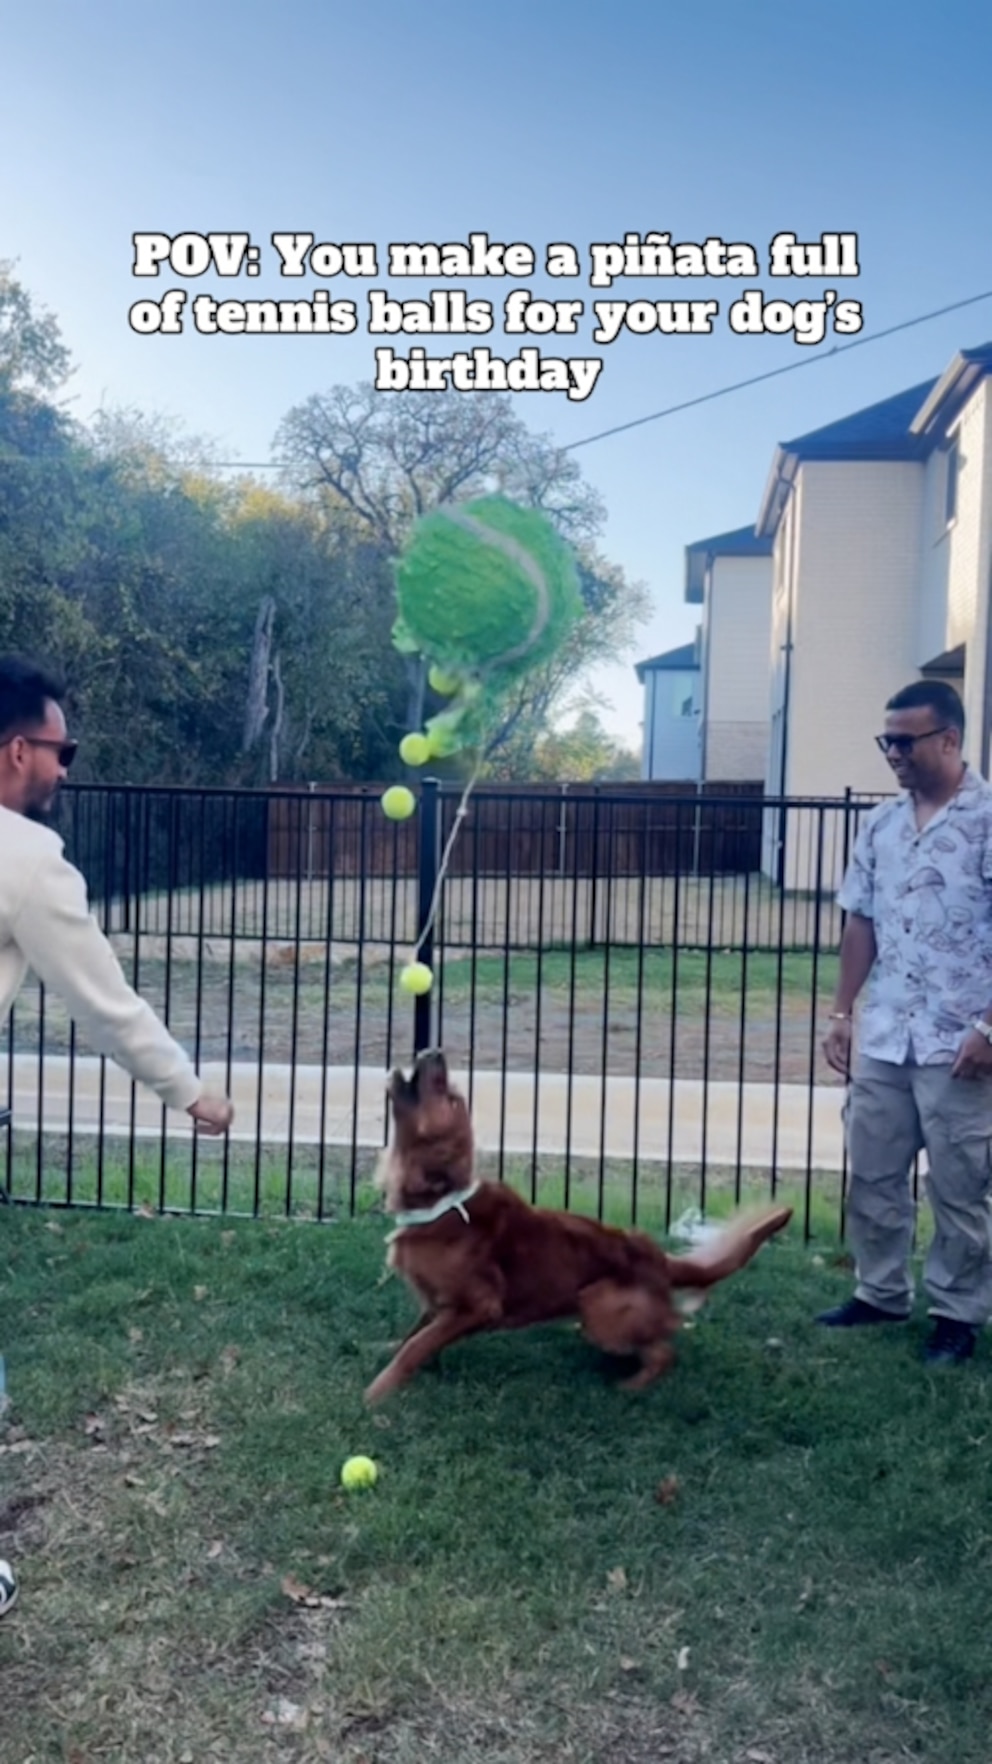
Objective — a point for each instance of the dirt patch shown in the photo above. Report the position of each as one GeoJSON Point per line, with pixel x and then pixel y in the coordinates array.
{"type": "Point", "coordinates": [495, 912]}
{"type": "Point", "coordinates": [22, 1520]}
{"type": "Point", "coordinates": [301, 1016]}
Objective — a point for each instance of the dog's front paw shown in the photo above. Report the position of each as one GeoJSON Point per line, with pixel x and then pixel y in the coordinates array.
{"type": "Point", "coordinates": [379, 1389]}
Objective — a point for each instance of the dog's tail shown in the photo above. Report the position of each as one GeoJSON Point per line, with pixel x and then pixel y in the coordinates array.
{"type": "Point", "coordinates": [729, 1250]}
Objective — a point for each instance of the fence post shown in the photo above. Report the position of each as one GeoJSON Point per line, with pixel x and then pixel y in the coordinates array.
{"type": "Point", "coordinates": [562, 830]}
{"type": "Point", "coordinates": [428, 832]}
{"type": "Point", "coordinates": [311, 787]}
{"type": "Point", "coordinates": [592, 939]}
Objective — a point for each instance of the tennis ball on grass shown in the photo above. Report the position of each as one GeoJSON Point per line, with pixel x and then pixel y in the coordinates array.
{"type": "Point", "coordinates": [359, 1472]}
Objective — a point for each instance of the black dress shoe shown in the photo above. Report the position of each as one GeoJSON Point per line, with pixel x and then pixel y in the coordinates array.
{"type": "Point", "coordinates": [951, 1342]}
{"type": "Point", "coordinates": [857, 1312]}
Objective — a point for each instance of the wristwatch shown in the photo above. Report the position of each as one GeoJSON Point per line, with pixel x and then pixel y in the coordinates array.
{"type": "Point", "coordinates": [983, 1029]}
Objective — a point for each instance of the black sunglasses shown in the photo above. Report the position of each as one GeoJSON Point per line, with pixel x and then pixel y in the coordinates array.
{"type": "Point", "coordinates": [906, 743]}
{"type": "Point", "coordinates": [66, 750]}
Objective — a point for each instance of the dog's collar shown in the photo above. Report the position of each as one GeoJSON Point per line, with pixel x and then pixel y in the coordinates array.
{"type": "Point", "coordinates": [427, 1215]}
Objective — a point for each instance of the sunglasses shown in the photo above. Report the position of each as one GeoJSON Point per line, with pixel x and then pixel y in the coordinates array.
{"type": "Point", "coordinates": [905, 743]}
{"type": "Point", "coordinates": [66, 750]}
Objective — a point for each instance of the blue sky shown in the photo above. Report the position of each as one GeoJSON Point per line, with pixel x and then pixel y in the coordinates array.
{"type": "Point", "coordinates": [537, 122]}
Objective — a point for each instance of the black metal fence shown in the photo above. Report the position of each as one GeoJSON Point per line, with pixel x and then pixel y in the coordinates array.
{"type": "Point", "coordinates": [631, 982]}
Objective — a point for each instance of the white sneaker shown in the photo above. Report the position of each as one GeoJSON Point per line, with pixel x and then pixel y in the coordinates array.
{"type": "Point", "coordinates": [8, 1588]}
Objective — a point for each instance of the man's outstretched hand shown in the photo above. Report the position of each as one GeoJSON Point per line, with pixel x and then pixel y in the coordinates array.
{"type": "Point", "coordinates": [212, 1115]}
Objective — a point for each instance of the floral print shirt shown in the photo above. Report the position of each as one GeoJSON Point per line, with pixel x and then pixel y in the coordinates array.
{"type": "Point", "coordinates": [929, 897]}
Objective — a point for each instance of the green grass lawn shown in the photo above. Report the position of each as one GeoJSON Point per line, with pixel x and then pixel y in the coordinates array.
{"type": "Point", "coordinates": [683, 978]}
{"type": "Point", "coordinates": [781, 1555]}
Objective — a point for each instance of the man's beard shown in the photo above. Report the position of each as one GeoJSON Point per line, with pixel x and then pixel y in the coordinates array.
{"type": "Point", "coordinates": [44, 813]}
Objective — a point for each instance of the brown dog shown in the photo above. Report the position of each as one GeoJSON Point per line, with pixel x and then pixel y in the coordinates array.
{"type": "Point", "coordinates": [479, 1257]}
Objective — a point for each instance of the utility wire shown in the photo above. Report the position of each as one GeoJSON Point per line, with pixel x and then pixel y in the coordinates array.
{"type": "Point", "coordinates": [792, 367]}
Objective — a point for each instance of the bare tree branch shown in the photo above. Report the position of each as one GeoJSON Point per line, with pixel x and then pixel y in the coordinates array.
{"type": "Point", "coordinates": [277, 721]}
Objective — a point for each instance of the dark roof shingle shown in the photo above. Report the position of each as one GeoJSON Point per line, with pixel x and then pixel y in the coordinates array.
{"type": "Point", "coordinates": [742, 542]}
{"type": "Point", "coordinates": [671, 660]}
{"type": "Point", "coordinates": [880, 431]}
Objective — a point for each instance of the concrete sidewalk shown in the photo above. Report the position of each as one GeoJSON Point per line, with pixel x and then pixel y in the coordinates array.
{"type": "Point", "coordinates": [758, 1125]}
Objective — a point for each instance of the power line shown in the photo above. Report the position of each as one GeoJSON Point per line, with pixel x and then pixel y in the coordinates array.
{"type": "Point", "coordinates": [773, 373]}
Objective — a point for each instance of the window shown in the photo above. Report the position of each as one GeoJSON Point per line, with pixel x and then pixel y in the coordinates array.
{"type": "Point", "coordinates": [951, 482]}
{"type": "Point", "coordinates": [683, 699]}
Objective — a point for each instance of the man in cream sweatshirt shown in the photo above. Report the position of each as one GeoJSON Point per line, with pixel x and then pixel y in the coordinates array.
{"type": "Point", "coordinates": [45, 921]}
{"type": "Point", "coordinates": [46, 924]}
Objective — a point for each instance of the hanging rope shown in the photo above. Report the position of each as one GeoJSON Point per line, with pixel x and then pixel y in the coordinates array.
{"type": "Point", "coordinates": [460, 814]}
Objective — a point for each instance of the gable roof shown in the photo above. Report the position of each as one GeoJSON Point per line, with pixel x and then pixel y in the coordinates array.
{"type": "Point", "coordinates": [677, 661]}
{"type": "Point", "coordinates": [882, 431]}
{"type": "Point", "coordinates": [951, 661]}
{"type": "Point", "coordinates": [742, 542]}
{"type": "Point", "coordinates": [952, 389]}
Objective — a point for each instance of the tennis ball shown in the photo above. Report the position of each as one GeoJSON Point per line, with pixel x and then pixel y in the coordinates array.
{"type": "Point", "coordinates": [443, 738]}
{"type": "Point", "coordinates": [415, 750]}
{"type": "Point", "coordinates": [445, 685]}
{"type": "Point", "coordinates": [398, 803]}
{"type": "Point", "coordinates": [486, 585]}
{"type": "Point", "coordinates": [359, 1473]}
{"type": "Point", "coordinates": [416, 978]}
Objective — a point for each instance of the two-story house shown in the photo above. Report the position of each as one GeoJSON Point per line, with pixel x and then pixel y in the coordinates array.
{"type": "Point", "coordinates": [881, 528]}
{"type": "Point", "coordinates": [881, 532]}
{"type": "Point", "coordinates": [671, 681]}
{"type": "Point", "coordinates": [729, 576]}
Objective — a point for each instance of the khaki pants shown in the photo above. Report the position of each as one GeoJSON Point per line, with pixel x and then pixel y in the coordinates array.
{"type": "Point", "coordinates": [892, 1113]}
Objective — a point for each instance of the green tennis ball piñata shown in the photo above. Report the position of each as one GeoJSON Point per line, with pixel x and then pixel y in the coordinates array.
{"type": "Point", "coordinates": [486, 587]}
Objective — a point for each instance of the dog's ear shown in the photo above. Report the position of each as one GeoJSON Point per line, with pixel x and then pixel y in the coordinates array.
{"type": "Point", "coordinates": [400, 1092]}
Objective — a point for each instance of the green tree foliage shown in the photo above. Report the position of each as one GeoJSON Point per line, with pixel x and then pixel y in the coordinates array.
{"type": "Point", "coordinates": [33, 357]}
{"type": "Point", "coordinates": [581, 752]}
{"type": "Point", "coordinates": [219, 631]}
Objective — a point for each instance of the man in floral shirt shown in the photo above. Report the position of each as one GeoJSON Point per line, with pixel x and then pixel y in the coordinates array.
{"type": "Point", "coordinates": [918, 939]}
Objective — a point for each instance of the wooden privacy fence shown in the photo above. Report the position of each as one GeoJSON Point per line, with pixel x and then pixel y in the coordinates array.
{"type": "Point", "coordinates": [655, 829]}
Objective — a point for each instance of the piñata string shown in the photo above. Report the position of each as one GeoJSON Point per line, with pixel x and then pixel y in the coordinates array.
{"type": "Point", "coordinates": [460, 814]}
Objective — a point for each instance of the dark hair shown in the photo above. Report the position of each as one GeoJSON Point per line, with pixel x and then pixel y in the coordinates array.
{"type": "Point", "coordinates": [932, 695]}
{"type": "Point", "coordinates": [25, 693]}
